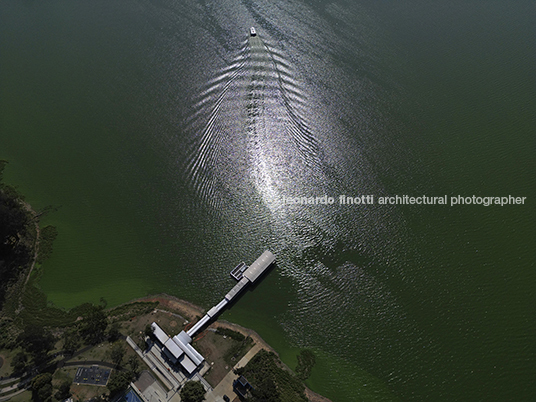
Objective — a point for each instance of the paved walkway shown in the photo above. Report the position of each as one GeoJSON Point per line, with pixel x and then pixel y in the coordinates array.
{"type": "Point", "coordinates": [21, 386]}
{"type": "Point", "coordinates": [93, 363]}
{"type": "Point", "coordinates": [225, 387]}
{"type": "Point", "coordinates": [7, 398]}
{"type": "Point", "coordinates": [10, 388]}
{"type": "Point", "coordinates": [9, 380]}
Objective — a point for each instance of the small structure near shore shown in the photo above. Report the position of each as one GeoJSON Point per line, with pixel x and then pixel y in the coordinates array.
{"type": "Point", "coordinates": [241, 386]}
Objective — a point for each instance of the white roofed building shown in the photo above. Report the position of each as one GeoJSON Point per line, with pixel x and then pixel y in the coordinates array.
{"type": "Point", "coordinates": [178, 349]}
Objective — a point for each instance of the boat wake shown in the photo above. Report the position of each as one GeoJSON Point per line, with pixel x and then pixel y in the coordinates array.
{"type": "Point", "coordinates": [249, 129]}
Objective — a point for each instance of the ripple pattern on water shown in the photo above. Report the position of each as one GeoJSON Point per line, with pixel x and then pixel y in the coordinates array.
{"type": "Point", "coordinates": [249, 127]}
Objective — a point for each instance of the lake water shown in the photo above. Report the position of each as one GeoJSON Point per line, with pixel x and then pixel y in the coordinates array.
{"type": "Point", "coordinates": [168, 139]}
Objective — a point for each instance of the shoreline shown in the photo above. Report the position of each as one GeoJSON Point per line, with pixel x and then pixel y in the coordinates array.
{"type": "Point", "coordinates": [168, 303]}
{"type": "Point", "coordinates": [191, 312]}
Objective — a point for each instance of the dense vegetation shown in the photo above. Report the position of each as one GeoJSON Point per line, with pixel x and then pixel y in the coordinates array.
{"type": "Point", "coordinates": [15, 235]}
{"type": "Point", "coordinates": [27, 322]}
{"type": "Point", "coordinates": [42, 387]}
{"type": "Point", "coordinates": [37, 345]}
{"type": "Point", "coordinates": [270, 381]}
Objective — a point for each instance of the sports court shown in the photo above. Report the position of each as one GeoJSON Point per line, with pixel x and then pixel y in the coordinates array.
{"type": "Point", "coordinates": [93, 375]}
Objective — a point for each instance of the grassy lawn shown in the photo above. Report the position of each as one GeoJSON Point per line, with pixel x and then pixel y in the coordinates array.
{"type": "Point", "coordinates": [86, 392]}
{"type": "Point", "coordinates": [7, 357]}
{"type": "Point", "coordinates": [80, 392]}
{"type": "Point", "coordinates": [98, 352]}
{"type": "Point", "coordinates": [25, 396]}
{"type": "Point", "coordinates": [64, 374]}
{"type": "Point", "coordinates": [221, 352]}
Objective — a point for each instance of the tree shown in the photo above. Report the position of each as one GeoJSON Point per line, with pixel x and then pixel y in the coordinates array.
{"type": "Point", "coordinates": [93, 325]}
{"type": "Point", "coordinates": [71, 342]}
{"type": "Point", "coordinates": [64, 391]}
{"type": "Point", "coordinates": [119, 382]}
{"type": "Point", "coordinates": [19, 363]}
{"type": "Point", "coordinates": [14, 247]}
{"type": "Point", "coordinates": [45, 393]}
{"type": "Point", "coordinates": [149, 330]}
{"type": "Point", "coordinates": [117, 353]}
{"type": "Point", "coordinates": [113, 332]}
{"type": "Point", "coordinates": [192, 391]}
{"type": "Point", "coordinates": [134, 364]}
{"type": "Point", "coordinates": [266, 391]}
{"type": "Point", "coordinates": [42, 387]}
{"type": "Point", "coordinates": [37, 342]}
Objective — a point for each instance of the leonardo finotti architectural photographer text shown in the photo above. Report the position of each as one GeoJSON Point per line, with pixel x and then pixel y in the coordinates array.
{"type": "Point", "coordinates": [404, 200]}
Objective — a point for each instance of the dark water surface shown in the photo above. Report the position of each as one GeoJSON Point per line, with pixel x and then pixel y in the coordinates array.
{"type": "Point", "coordinates": [168, 138]}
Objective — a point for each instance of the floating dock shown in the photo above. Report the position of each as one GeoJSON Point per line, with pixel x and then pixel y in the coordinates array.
{"type": "Point", "coordinates": [239, 270]}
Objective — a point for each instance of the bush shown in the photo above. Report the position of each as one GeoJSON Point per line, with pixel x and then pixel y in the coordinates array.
{"type": "Point", "coordinates": [134, 364]}
{"type": "Point", "coordinates": [192, 391]}
{"type": "Point", "coordinates": [237, 336]}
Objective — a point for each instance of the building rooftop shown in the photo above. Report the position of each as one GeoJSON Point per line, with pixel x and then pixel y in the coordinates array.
{"type": "Point", "coordinates": [259, 266]}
